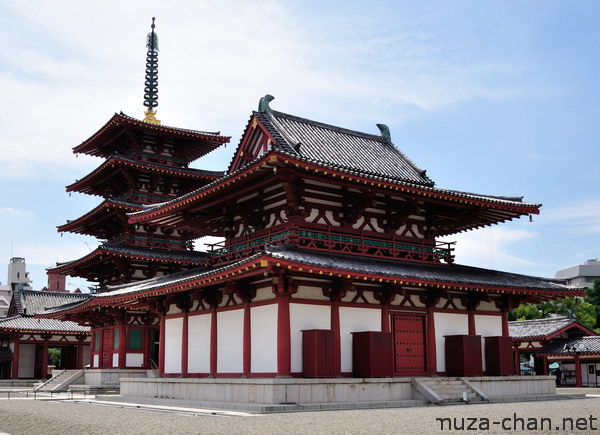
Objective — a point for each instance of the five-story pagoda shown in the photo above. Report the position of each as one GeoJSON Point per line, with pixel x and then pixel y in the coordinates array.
{"type": "Point", "coordinates": [145, 163]}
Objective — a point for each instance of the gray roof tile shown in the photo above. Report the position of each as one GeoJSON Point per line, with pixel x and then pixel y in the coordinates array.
{"type": "Point", "coordinates": [341, 148]}
{"type": "Point", "coordinates": [31, 302]}
{"type": "Point", "coordinates": [538, 327]}
{"type": "Point", "coordinates": [34, 324]}
{"type": "Point", "coordinates": [578, 345]}
{"type": "Point", "coordinates": [454, 273]}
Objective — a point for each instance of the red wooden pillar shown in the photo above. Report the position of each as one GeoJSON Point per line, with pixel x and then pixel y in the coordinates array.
{"type": "Point", "coordinates": [92, 348]}
{"type": "Point", "coordinates": [472, 328]}
{"type": "Point", "coordinates": [45, 357]}
{"type": "Point", "coordinates": [161, 346]}
{"type": "Point", "coordinates": [284, 359]}
{"type": "Point", "coordinates": [505, 332]}
{"type": "Point", "coordinates": [577, 371]}
{"type": "Point", "coordinates": [15, 361]}
{"type": "Point", "coordinates": [247, 340]}
{"type": "Point", "coordinates": [213, 342]}
{"type": "Point", "coordinates": [184, 344]}
{"type": "Point", "coordinates": [385, 317]}
{"type": "Point", "coordinates": [546, 370]}
{"type": "Point", "coordinates": [431, 343]}
{"type": "Point", "coordinates": [122, 346]}
{"type": "Point", "coordinates": [517, 362]}
{"type": "Point", "coordinates": [335, 327]}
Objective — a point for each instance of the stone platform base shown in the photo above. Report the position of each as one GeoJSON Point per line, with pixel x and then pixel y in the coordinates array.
{"type": "Point", "coordinates": [110, 376]}
{"type": "Point", "coordinates": [299, 394]}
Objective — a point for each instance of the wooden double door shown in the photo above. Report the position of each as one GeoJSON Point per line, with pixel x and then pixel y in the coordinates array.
{"type": "Point", "coordinates": [409, 344]}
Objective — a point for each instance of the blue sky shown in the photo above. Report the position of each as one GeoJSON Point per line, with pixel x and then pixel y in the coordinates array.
{"type": "Point", "coordinates": [495, 97]}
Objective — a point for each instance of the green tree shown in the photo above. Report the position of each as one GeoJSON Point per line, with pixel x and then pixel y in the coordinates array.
{"type": "Point", "coordinates": [525, 312]}
{"type": "Point", "coordinates": [54, 356]}
{"type": "Point", "coordinates": [593, 297]}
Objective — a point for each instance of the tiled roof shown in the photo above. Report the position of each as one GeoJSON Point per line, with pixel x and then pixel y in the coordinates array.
{"type": "Point", "coordinates": [578, 345]}
{"type": "Point", "coordinates": [30, 302]}
{"type": "Point", "coordinates": [134, 251]}
{"type": "Point", "coordinates": [454, 273]}
{"type": "Point", "coordinates": [19, 323]}
{"type": "Point", "coordinates": [201, 142]}
{"type": "Point", "coordinates": [6, 354]}
{"type": "Point", "coordinates": [538, 327]}
{"type": "Point", "coordinates": [340, 148]}
{"type": "Point", "coordinates": [507, 201]}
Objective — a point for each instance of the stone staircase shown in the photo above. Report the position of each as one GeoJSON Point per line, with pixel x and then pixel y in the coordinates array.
{"type": "Point", "coordinates": [61, 381]}
{"type": "Point", "coordinates": [446, 390]}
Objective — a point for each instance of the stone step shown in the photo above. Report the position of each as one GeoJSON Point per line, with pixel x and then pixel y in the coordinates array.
{"type": "Point", "coordinates": [470, 396]}
{"type": "Point", "coordinates": [448, 387]}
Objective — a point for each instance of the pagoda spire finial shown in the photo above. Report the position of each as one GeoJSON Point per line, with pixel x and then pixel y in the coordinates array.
{"type": "Point", "coordinates": [151, 83]}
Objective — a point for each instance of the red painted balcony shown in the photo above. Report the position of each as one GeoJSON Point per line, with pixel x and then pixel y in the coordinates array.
{"type": "Point", "coordinates": [332, 240]}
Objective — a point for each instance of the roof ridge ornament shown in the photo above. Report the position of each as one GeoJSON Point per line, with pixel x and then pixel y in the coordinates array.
{"type": "Point", "coordinates": [263, 103]}
{"type": "Point", "coordinates": [151, 83]}
{"type": "Point", "coordinates": [385, 132]}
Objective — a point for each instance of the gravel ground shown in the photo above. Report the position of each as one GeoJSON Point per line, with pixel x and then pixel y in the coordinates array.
{"type": "Point", "coordinates": [20, 416]}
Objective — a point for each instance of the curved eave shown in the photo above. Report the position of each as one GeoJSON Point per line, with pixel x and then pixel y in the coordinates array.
{"type": "Point", "coordinates": [496, 209]}
{"type": "Point", "coordinates": [100, 212]}
{"type": "Point", "coordinates": [92, 258]}
{"type": "Point", "coordinates": [92, 145]}
{"type": "Point", "coordinates": [259, 263]}
{"type": "Point", "coordinates": [114, 164]}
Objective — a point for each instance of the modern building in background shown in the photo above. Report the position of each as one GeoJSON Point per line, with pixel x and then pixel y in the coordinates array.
{"type": "Point", "coordinates": [582, 275]}
{"type": "Point", "coordinates": [18, 278]}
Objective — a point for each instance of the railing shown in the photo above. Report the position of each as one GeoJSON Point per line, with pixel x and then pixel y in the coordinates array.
{"type": "Point", "coordinates": [362, 244]}
{"type": "Point", "coordinates": [154, 368]}
{"type": "Point", "coordinates": [154, 242]}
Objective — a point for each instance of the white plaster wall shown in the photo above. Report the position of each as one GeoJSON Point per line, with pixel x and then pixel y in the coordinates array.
{"type": "Point", "coordinates": [199, 343]}
{"type": "Point", "coordinates": [264, 294]}
{"type": "Point", "coordinates": [115, 360]}
{"type": "Point", "coordinates": [447, 324]}
{"type": "Point", "coordinates": [305, 316]}
{"type": "Point", "coordinates": [173, 328]}
{"type": "Point", "coordinates": [355, 320]}
{"type": "Point", "coordinates": [134, 360]}
{"type": "Point", "coordinates": [96, 360]}
{"type": "Point", "coordinates": [264, 338]}
{"type": "Point", "coordinates": [310, 292]}
{"type": "Point", "coordinates": [26, 360]}
{"type": "Point", "coordinates": [230, 341]}
{"type": "Point", "coordinates": [487, 326]}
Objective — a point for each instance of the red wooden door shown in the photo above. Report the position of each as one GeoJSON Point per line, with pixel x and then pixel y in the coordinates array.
{"type": "Point", "coordinates": [409, 344]}
{"type": "Point", "coordinates": [106, 348]}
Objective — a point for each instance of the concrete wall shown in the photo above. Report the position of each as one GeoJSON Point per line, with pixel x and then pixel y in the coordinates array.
{"type": "Point", "coordinates": [509, 386]}
{"type": "Point", "coordinates": [270, 391]}
{"type": "Point", "coordinates": [105, 376]}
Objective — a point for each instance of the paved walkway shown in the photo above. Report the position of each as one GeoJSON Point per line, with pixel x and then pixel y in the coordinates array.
{"type": "Point", "coordinates": [26, 416]}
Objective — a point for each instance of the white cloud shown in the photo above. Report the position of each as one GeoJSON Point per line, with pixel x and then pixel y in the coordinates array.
{"type": "Point", "coordinates": [11, 211]}
{"type": "Point", "coordinates": [578, 217]}
{"type": "Point", "coordinates": [67, 66]}
{"type": "Point", "coordinates": [492, 248]}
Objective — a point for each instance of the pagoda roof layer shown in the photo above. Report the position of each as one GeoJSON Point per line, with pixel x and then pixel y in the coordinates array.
{"type": "Point", "coordinates": [104, 210]}
{"type": "Point", "coordinates": [455, 277]}
{"type": "Point", "coordinates": [31, 324]}
{"type": "Point", "coordinates": [200, 142]}
{"type": "Point", "coordinates": [340, 148]}
{"type": "Point", "coordinates": [115, 162]}
{"type": "Point", "coordinates": [133, 252]}
{"type": "Point", "coordinates": [494, 209]}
